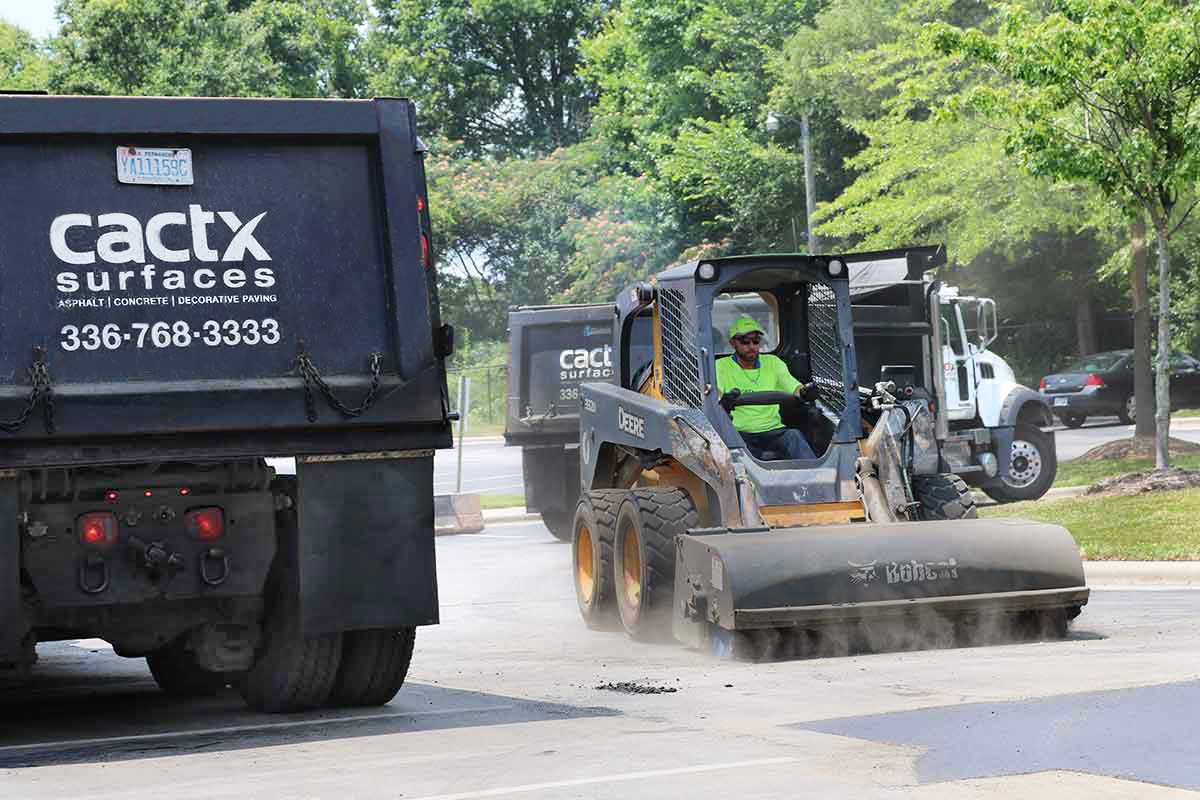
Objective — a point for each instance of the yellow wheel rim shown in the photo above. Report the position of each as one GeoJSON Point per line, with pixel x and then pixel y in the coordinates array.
{"type": "Point", "coordinates": [585, 579]}
{"type": "Point", "coordinates": [631, 569]}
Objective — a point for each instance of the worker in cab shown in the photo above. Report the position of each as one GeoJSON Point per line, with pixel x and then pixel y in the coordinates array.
{"type": "Point", "coordinates": [748, 370]}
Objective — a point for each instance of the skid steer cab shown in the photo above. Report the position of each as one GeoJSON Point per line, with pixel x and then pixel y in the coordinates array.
{"type": "Point", "coordinates": [695, 520]}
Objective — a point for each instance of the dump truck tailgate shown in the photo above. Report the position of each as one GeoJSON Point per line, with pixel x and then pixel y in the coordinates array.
{"type": "Point", "coordinates": [169, 265]}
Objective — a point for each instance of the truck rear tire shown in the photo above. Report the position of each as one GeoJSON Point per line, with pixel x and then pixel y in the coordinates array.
{"type": "Point", "coordinates": [644, 558]}
{"type": "Point", "coordinates": [944, 496]}
{"type": "Point", "coordinates": [559, 524]}
{"type": "Point", "coordinates": [292, 672]}
{"type": "Point", "coordinates": [1032, 469]}
{"type": "Point", "coordinates": [373, 667]}
{"type": "Point", "coordinates": [592, 556]}
{"type": "Point", "coordinates": [176, 672]}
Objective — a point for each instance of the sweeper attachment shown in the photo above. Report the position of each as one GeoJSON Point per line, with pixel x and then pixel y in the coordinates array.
{"type": "Point", "coordinates": [684, 527]}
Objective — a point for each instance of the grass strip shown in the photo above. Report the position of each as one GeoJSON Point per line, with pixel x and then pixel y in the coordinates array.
{"type": "Point", "coordinates": [1156, 526]}
{"type": "Point", "coordinates": [501, 500]}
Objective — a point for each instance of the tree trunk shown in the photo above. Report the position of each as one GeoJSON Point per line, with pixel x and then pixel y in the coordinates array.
{"type": "Point", "coordinates": [1162, 366]}
{"type": "Point", "coordinates": [1143, 370]}
{"type": "Point", "coordinates": [1085, 317]}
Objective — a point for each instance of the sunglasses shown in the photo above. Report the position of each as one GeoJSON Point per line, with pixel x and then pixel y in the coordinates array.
{"type": "Point", "coordinates": [752, 338]}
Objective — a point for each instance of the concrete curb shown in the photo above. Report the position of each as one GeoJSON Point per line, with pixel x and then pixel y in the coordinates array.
{"type": "Point", "coordinates": [511, 514]}
{"type": "Point", "coordinates": [1143, 573]}
{"type": "Point", "coordinates": [456, 513]}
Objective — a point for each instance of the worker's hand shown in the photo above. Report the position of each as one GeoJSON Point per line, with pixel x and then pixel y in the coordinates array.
{"type": "Point", "coordinates": [729, 398]}
{"type": "Point", "coordinates": [807, 391]}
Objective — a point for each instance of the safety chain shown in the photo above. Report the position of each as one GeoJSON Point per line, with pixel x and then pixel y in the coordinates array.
{"type": "Point", "coordinates": [312, 378]}
{"type": "Point", "coordinates": [39, 377]}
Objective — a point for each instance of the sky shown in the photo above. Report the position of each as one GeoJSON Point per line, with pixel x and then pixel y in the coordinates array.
{"type": "Point", "coordinates": [35, 16]}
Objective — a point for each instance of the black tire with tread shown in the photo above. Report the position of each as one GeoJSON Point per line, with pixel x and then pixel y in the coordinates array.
{"type": "Point", "coordinates": [176, 672]}
{"type": "Point", "coordinates": [373, 666]}
{"type": "Point", "coordinates": [560, 524]}
{"type": "Point", "coordinates": [944, 496]}
{"type": "Point", "coordinates": [657, 516]}
{"type": "Point", "coordinates": [1123, 412]}
{"type": "Point", "coordinates": [292, 672]}
{"type": "Point", "coordinates": [597, 510]}
{"type": "Point", "coordinates": [1003, 493]}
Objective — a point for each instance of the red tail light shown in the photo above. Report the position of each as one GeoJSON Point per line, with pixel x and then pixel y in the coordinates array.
{"type": "Point", "coordinates": [97, 529]}
{"type": "Point", "coordinates": [1042, 384]}
{"type": "Point", "coordinates": [425, 251]}
{"type": "Point", "coordinates": [420, 204]}
{"type": "Point", "coordinates": [1094, 380]}
{"type": "Point", "coordinates": [206, 523]}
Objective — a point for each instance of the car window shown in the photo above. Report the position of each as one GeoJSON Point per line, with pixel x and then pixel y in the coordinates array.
{"type": "Point", "coordinates": [1099, 362]}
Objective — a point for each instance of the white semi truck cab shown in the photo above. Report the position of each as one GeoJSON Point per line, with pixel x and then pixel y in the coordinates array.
{"type": "Point", "coordinates": [987, 409]}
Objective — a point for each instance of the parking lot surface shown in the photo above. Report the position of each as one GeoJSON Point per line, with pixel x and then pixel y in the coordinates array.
{"type": "Point", "coordinates": [512, 697]}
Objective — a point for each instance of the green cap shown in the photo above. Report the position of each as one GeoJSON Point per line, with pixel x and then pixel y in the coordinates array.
{"type": "Point", "coordinates": [744, 325]}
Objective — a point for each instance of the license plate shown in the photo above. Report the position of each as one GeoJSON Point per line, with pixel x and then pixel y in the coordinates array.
{"type": "Point", "coordinates": [1062, 401]}
{"type": "Point", "coordinates": [155, 166]}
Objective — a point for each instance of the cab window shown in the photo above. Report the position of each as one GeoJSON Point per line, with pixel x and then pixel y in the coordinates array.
{"type": "Point", "coordinates": [759, 306]}
{"type": "Point", "coordinates": [950, 334]}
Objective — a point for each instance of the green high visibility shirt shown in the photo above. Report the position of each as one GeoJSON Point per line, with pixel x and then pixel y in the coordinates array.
{"type": "Point", "coordinates": [771, 375]}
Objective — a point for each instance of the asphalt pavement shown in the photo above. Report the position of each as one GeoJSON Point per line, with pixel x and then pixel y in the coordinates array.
{"type": "Point", "coordinates": [512, 697]}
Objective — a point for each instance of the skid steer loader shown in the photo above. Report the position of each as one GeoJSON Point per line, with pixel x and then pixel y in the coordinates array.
{"type": "Point", "coordinates": [680, 528]}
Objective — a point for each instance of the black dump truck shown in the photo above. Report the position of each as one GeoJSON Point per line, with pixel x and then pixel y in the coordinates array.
{"type": "Point", "coordinates": [552, 350]}
{"type": "Point", "coordinates": [189, 287]}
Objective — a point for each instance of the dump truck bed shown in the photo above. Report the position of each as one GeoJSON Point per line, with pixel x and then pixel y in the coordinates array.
{"type": "Point", "coordinates": [161, 278]}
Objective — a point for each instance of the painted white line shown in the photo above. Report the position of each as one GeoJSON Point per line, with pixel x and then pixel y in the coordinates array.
{"type": "Point", "coordinates": [237, 729]}
{"type": "Point", "coordinates": [626, 776]}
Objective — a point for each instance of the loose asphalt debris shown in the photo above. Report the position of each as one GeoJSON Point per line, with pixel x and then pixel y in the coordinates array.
{"type": "Point", "coordinates": [634, 687]}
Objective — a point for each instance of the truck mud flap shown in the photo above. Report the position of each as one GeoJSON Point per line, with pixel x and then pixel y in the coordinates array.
{"type": "Point", "coordinates": [13, 623]}
{"type": "Point", "coordinates": [365, 552]}
{"type": "Point", "coordinates": [807, 577]}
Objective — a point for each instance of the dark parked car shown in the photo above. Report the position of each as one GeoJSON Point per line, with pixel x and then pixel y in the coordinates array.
{"type": "Point", "coordinates": [1102, 384]}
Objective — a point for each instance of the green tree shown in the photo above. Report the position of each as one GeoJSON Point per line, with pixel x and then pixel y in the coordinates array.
{"type": "Point", "coordinates": [23, 63]}
{"type": "Point", "coordinates": [684, 89]}
{"type": "Point", "coordinates": [540, 230]}
{"type": "Point", "coordinates": [500, 76]}
{"type": "Point", "coordinates": [1103, 91]}
{"type": "Point", "coordinates": [274, 48]}
{"type": "Point", "coordinates": [920, 177]}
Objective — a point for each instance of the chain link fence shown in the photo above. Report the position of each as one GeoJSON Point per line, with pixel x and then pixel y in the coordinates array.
{"type": "Point", "coordinates": [489, 386]}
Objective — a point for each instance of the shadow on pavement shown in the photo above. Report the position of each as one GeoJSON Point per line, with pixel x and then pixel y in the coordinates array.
{"type": "Point", "coordinates": [118, 719]}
